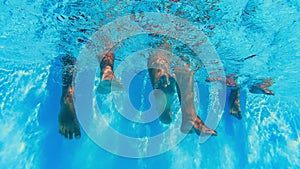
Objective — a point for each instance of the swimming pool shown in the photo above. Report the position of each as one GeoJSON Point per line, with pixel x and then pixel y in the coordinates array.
{"type": "Point", "coordinates": [34, 35]}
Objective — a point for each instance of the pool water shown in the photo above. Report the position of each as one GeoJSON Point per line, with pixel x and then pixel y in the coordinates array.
{"type": "Point", "coordinates": [36, 34]}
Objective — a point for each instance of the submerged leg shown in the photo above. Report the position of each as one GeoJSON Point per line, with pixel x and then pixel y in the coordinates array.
{"type": "Point", "coordinates": [262, 88]}
{"type": "Point", "coordinates": [108, 79]}
{"type": "Point", "coordinates": [158, 68]}
{"type": "Point", "coordinates": [190, 121]}
{"type": "Point", "coordinates": [68, 123]}
{"type": "Point", "coordinates": [234, 103]}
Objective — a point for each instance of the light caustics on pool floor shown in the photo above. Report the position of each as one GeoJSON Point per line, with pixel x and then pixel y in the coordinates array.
{"type": "Point", "coordinates": [33, 34]}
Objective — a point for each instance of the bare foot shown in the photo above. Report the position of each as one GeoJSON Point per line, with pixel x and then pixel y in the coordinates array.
{"type": "Point", "coordinates": [262, 88]}
{"type": "Point", "coordinates": [196, 126]}
{"type": "Point", "coordinates": [68, 123]}
{"type": "Point", "coordinates": [267, 83]}
{"type": "Point", "coordinates": [108, 81]}
{"type": "Point", "coordinates": [191, 123]}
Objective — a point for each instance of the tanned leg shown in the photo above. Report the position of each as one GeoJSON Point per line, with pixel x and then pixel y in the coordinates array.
{"type": "Point", "coordinates": [68, 123]}
{"type": "Point", "coordinates": [108, 79]}
{"type": "Point", "coordinates": [190, 121]}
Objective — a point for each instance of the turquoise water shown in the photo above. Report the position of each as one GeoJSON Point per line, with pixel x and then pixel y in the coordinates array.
{"type": "Point", "coordinates": [34, 35]}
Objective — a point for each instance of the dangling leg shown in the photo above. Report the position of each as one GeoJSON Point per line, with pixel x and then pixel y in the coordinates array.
{"type": "Point", "coordinates": [108, 79]}
{"type": "Point", "coordinates": [68, 123]}
{"type": "Point", "coordinates": [158, 68]}
{"type": "Point", "coordinates": [262, 88]}
{"type": "Point", "coordinates": [234, 103]}
{"type": "Point", "coordinates": [185, 88]}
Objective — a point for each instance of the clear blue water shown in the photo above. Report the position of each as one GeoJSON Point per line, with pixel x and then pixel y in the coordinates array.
{"type": "Point", "coordinates": [34, 34]}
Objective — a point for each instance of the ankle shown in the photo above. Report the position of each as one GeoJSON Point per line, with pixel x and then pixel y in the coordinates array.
{"type": "Point", "coordinates": [106, 69]}
{"type": "Point", "coordinates": [189, 118]}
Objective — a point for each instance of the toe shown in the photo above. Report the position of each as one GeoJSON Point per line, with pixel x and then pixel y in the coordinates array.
{"type": "Point", "coordinates": [70, 135]}
{"type": "Point", "coordinates": [61, 130]}
{"type": "Point", "coordinates": [77, 133]}
{"type": "Point", "coordinates": [65, 133]}
{"type": "Point", "coordinates": [214, 132]}
{"type": "Point", "coordinates": [269, 92]}
{"type": "Point", "coordinates": [210, 131]}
